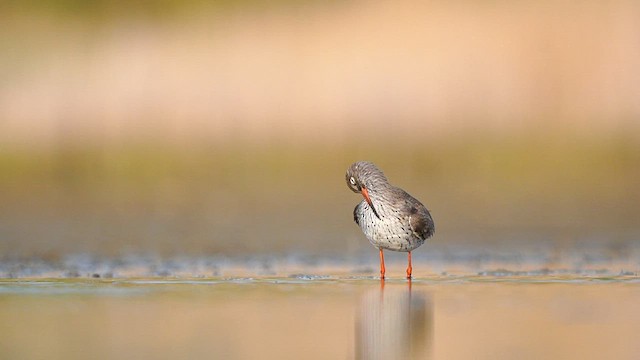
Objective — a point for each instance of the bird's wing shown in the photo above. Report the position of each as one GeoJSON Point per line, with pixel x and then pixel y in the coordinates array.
{"type": "Point", "coordinates": [422, 223]}
{"type": "Point", "coordinates": [355, 213]}
{"type": "Point", "coordinates": [419, 217]}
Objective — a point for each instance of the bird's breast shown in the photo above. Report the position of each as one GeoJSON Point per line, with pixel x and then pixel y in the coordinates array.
{"type": "Point", "coordinates": [391, 231]}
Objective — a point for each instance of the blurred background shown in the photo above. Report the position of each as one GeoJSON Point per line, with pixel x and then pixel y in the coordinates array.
{"type": "Point", "coordinates": [223, 129]}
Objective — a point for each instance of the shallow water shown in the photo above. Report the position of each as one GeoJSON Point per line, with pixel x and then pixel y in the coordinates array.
{"type": "Point", "coordinates": [321, 317]}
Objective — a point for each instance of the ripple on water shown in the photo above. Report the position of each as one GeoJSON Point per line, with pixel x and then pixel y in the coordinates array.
{"type": "Point", "coordinates": [299, 268]}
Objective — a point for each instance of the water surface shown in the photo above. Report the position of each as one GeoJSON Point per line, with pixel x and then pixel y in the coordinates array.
{"type": "Point", "coordinates": [321, 317]}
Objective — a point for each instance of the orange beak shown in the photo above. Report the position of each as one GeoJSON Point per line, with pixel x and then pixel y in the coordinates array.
{"type": "Point", "coordinates": [365, 194]}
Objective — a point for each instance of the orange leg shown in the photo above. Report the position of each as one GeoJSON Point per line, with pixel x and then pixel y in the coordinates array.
{"type": "Point", "coordinates": [382, 269]}
{"type": "Point", "coordinates": [409, 268]}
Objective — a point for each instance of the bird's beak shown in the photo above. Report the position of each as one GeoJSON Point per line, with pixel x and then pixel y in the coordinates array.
{"type": "Point", "coordinates": [365, 194]}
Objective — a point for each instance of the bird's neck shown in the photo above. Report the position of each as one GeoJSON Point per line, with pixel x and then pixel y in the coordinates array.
{"type": "Point", "coordinates": [378, 189]}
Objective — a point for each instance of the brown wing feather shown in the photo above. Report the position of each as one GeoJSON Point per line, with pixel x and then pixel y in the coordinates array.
{"type": "Point", "coordinates": [421, 222]}
{"type": "Point", "coordinates": [420, 218]}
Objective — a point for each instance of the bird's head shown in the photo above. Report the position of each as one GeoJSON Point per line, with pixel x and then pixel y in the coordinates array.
{"type": "Point", "coordinates": [363, 177]}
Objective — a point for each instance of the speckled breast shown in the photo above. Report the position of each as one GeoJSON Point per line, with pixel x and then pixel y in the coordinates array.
{"type": "Point", "coordinates": [391, 232]}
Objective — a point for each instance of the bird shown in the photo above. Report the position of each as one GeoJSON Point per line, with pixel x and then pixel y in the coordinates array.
{"type": "Point", "coordinates": [389, 217]}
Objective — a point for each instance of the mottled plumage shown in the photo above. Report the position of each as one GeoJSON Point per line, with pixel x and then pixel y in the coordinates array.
{"type": "Point", "coordinates": [389, 217]}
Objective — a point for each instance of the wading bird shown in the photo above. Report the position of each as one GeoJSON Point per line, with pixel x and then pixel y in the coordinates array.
{"type": "Point", "coordinates": [389, 217]}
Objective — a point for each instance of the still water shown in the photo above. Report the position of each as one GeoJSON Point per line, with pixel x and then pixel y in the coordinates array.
{"type": "Point", "coordinates": [322, 317]}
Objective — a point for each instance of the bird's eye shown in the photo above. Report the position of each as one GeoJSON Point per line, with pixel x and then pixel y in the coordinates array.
{"type": "Point", "coordinates": [352, 181]}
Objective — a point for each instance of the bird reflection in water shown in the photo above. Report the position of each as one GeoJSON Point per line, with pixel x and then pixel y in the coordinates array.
{"type": "Point", "coordinates": [394, 322]}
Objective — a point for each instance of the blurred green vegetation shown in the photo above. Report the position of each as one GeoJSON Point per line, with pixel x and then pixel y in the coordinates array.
{"type": "Point", "coordinates": [249, 198]}
{"type": "Point", "coordinates": [549, 166]}
{"type": "Point", "coordinates": [152, 9]}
